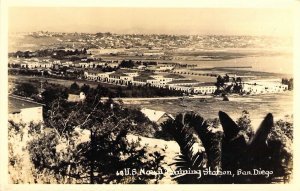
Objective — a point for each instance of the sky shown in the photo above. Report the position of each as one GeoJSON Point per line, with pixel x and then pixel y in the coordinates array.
{"type": "Point", "coordinates": [189, 21]}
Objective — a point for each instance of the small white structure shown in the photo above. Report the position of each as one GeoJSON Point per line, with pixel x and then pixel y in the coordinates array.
{"type": "Point", "coordinates": [96, 75]}
{"type": "Point", "coordinates": [162, 80]}
{"type": "Point", "coordinates": [76, 98]}
{"type": "Point", "coordinates": [165, 68]}
{"type": "Point", "coordinates": [132, 73]}
{"type": "Point", "coordinates": [156, 116]}
{"type": "Point", "coordinates": [24, 110]}
{"type": "Point", "coordinates": [205, 88]}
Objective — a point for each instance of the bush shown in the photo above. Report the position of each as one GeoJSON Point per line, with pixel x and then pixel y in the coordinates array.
{"type": "Point", "coordinates": [237, 147]}
{"type": "Point", "coordinates": [87, 143]}
{"type": "Point", "coordinates": [26, 90]}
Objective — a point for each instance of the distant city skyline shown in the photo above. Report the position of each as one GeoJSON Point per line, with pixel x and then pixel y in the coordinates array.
{"type": "Point", "coordinates": [185, 21]}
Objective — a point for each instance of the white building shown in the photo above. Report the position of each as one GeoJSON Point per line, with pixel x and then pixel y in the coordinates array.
{"type": "Point", "coordinates": [24, 110]}
{"type": "Point", "coordinates": [263, 86]}
{"type": "Point", "coordinates": [205, 88]}
{"type": "Point", "coordinates": [126, 78]}
{"type": "Point", "coordinates": [164, 68]}
{"type": "Point", "coordinates": [162, 80]}
{"type": "Point", "coordinates": [153, 82]}
{"type": "Point", "coordinates": [76, 98]}
{"type": "Point", "coordinates": [132, 73]}
{"type": "Point", "coordinates": [156, 116]}
{"type": "Point", "coordinates": [96, 75]}
{"type": "Point", "coordinates": [112, 65]}
{"type": "Point", "coordinates": [35, 64]}
{"type": "Point", "coordinates": [86, 64]}
{"type": "Point", "coordinates": [181, 88]}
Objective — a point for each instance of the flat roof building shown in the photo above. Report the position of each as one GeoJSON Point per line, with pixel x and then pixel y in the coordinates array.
{"type": "Point", "coordinates": [24, 110]}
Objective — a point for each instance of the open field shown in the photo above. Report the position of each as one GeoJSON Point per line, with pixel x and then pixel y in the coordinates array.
{"type": "Point", "coordinates": [259, 106]}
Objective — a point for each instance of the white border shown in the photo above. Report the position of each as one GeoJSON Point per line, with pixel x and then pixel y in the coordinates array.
{"type": "Point", "coordinates": [153, 3]}
{"type": "Point", "coordinates": [142, 3]}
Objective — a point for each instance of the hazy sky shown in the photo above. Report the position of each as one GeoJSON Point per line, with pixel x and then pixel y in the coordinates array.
{"type": "Point", "coordinates": [227, 21]}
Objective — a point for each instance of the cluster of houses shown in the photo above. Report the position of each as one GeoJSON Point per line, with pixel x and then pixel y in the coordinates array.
{"type": "Point", "coordinates": [141, 75]}
{"type": "Point", "coordinates": [264, 86]}
{"type": "Point", "coordinates": [49, 63]}
{"type": "Point", "coordinates": [143, 78]}
{"type": "Point", "coordinates": [31, 63]}
{"type": "Point", "coordinates": [84, 63]}
{"type": "Point", "coordinates": [177, 82]}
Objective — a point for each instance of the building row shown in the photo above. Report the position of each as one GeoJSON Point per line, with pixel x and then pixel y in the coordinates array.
{"type": "Point", "coordinates": [138, 78]}
{"type": "Point", "coordinates": [53, 63]}
{"type": "Point", "coordinates": [93, 63]}
{"type": "Point", "coordinates": [264, 86]}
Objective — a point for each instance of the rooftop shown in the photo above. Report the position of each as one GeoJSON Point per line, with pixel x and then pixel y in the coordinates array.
{"type": "Point", "coordinates": [143, 78]}
{"type": "Point", "coordinates": [153, 115]}
{"type": "Point", "coordinates": [176, 76]}
{"type": "Point", "coordinates": [94, 71]}
{"type": "Point", "coordinates": [182, 81]}
{"type": "Point", "coordinates": [207, 84]}
{"type": "Point", "coordinates": [16, 103]}
{"type": "Point", "coordinates": [117, 74]}
{"type": "Point", "coordinates": [122, 70]}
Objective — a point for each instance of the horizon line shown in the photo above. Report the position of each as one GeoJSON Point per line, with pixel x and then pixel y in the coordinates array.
{"type": "Point", "coordinates": [149, 34]}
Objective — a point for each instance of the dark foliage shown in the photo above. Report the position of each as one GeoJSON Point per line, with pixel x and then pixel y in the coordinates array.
{"type": "Point", "coordinates": [236, 148]}
{"type": "Point", "coordinates": [289, 82]}
{"type": "Point", "coordinates": [54, 53]}
{"type": "Point", "coordinates": [26, 90]}
{"type": "Point", "coordinates": [98, 159]}
{"type": "Point", "coordinates": [126, 64]}
{"type": "Point", "coordinates": [74, 88]}
{"type": "Point", "coordinates": [190, 159]}
{"type": "Point", "coordinates": [53, 92]}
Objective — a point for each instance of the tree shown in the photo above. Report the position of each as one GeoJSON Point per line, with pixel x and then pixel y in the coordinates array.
{"type": "Point", "coordinates": [230, 150]}
{"type": "Point", "coordinates": [280, 141]}
{"type": "Point", "coordinates": [119, 91]}
{"type": "Point", "coordinates": [101, 156]}
{"type": "Point", "coordinates": [244, 122]}
{"type": "Point", "coordinates": [74, 88]}
{"type": "Point", "coordinates": [226, 78]}
{"type": "Point", "coordinates": [53, 92]}
{"type": "Point", "coordinates": [193, 135]}
{"type": "Point", "coordinates": [102, 91]}
{"type": "Point", "coordinates": [26, 90]}
{"type": "Point", "coordinates": [85, 88]}
{"type": "Point", "coordinates": [127, 64]}
{"type": "Point", "coordinates": [220, 82]}
{"type": "Point", "coordinates": [288, 82]}
{"type": "Point", "coordinates": [238, 79]}
{"type": "Point", "coordinates": [237, 88]}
